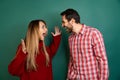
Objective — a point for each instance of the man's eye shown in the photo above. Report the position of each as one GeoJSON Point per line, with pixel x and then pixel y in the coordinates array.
{"type": "Point", "coordinates": [63, 22]}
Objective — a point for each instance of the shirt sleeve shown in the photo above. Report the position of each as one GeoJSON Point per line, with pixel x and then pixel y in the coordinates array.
{"type": "Point", "coordinates": [100, 53]}
{"type": "Point", "coordinates": [54, 45]}
{"type": "Point", "coordinates": [17, 65]}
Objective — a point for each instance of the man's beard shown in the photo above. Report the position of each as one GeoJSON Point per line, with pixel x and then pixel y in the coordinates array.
{"type": "Point", "coordinates": [68, 30]}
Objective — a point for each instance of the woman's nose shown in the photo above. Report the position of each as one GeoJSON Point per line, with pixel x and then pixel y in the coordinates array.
{"type": "Point", "coordinates": [46, 29]}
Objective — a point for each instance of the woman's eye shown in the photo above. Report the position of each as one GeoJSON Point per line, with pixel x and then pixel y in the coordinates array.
{"type": "Point", "coordinates": [43, 26]}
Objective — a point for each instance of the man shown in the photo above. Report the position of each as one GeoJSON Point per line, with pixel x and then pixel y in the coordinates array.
{"type": "Point", "coordinates": [88, 60]}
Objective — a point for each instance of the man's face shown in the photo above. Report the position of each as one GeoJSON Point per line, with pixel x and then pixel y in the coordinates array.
{"type": "Point", "coordinates": [66, 24]}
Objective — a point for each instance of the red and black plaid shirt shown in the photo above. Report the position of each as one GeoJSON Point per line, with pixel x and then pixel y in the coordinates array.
{"type": "Point", "coordinates": [88, 60]}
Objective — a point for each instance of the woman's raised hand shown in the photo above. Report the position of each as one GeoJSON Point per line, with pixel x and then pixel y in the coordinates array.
{"type": "Point", "coordinates": [57, 32]}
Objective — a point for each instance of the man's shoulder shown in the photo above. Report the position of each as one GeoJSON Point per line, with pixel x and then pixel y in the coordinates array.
{"type": "Point", "coordinates": [92, 29]}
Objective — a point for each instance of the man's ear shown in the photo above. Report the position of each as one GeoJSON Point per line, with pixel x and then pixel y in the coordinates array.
{"type": "Point", "coordinates": [72, 20]}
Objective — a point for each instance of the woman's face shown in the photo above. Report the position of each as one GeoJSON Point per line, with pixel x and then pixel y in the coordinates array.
{"type": "Point", "coordinates": [42, 30]}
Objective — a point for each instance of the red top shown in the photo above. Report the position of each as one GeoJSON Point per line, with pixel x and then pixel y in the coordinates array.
{"type": "Point", "coordinates": [17, 66]}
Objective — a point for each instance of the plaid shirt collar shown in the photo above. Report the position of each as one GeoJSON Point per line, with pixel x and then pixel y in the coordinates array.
{"type": "Point", "coordinates": [81, 31]}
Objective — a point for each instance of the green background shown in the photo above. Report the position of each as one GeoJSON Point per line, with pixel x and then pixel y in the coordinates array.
{"type": "Point", "coordinates": [16, 14]}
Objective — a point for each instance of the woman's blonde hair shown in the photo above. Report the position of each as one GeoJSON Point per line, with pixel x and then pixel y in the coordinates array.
{"type": "Point", "coordinates": [32, 45]}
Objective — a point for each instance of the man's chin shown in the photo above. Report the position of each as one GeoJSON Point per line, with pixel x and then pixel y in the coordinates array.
{"type": "Point", "coordinates": [68, 30]}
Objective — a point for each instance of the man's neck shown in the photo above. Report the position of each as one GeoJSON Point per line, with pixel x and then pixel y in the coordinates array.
{"type": "Point", "coordinates": [77, 28]}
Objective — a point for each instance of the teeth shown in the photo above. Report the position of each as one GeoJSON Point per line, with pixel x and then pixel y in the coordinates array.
{"type": "Point", "coordinates": [44, 34]}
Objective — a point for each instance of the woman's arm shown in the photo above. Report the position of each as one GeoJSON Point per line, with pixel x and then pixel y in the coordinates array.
{"type": "Point", "coordinates": [17, 65]}
{"type": "Point", "coordinates": [55, 43]}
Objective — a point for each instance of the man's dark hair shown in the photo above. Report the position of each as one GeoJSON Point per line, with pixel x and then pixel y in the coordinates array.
{"type": "Point", "coordinates": [71, 13]}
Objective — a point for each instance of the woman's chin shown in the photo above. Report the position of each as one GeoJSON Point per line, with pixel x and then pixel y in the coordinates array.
{"type": "Point", "coordinates": [42, 39]}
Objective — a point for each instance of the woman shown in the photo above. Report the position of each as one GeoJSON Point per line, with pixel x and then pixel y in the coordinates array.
{"type": "Point", "coordinates": [33, 60]}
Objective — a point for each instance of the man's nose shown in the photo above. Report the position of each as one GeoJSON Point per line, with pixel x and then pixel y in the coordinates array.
{"type": "Point", "coordinates": [62, 25]}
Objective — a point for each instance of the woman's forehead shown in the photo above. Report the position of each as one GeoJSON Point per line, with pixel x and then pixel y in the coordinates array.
{"type": "Point", "coordinates": [41, 23]}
